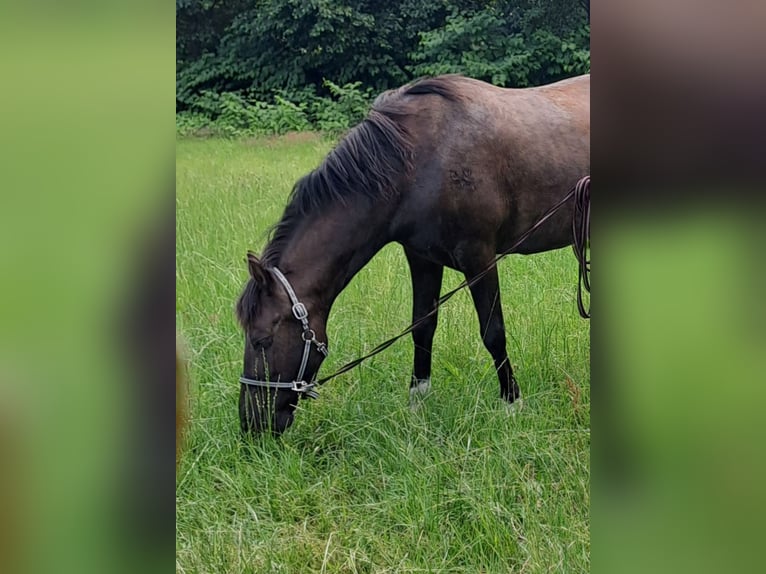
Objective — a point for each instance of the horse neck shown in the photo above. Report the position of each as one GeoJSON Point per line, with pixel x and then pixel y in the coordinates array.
{"type": "Point", "coordinates": [328, 249]}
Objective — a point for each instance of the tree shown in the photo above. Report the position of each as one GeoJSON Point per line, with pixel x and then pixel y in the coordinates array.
{"type": "Point", "coordinates": [263, 48]}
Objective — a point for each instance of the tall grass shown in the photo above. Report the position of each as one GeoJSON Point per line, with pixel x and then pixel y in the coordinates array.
{"type": "Point", "coordinates": [361, 482]}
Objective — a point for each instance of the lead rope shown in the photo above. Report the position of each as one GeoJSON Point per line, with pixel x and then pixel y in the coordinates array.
{"type": "Point", "coordinates": [581, 240]}
{"type": "Point", "coordinates": [466, 283]}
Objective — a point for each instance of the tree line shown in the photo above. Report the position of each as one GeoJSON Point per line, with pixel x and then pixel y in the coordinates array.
{"type": "Point", "coordinates": [289, 61]}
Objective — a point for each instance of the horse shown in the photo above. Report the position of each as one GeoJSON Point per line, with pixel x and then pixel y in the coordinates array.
{"type": "Point", "coordinates": [453, 169]}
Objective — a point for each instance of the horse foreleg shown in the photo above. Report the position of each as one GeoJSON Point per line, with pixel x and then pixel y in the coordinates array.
{"type": "Point", "coordinates": [486, 299]}
{"type": "Point", "coordinates": [426, 285]}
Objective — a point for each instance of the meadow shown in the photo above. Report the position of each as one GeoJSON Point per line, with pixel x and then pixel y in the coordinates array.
{"type": "Point", "coordinates": [362, 482]}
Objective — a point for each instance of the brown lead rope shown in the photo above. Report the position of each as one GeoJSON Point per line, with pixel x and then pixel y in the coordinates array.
{"type": "Point", "coordinates": [444, 298]}
{"type": "Point", "coordinates": [581, 239]}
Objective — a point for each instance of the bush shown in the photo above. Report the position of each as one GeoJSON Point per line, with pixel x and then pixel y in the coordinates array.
{"type": "Point", "coordinates": [191, 123]}
{"type": "Point", "coordinates": [232, 114]}
{"type": "Point", "coordinates": [349, 107]}
{"type": "Point", "coordinates": [486, 47]}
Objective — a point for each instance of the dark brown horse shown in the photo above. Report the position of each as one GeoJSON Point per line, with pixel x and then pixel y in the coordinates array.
{"type": "Point", "coordinates": [453, 169]}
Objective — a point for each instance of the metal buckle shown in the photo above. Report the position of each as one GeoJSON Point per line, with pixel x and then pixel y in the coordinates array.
{"type": "Point", "coordinates": [302, 386]}
{"type": "Point", "coordinates": [300, 311]}
{"type": "Point", "coordinates": [309, 335]}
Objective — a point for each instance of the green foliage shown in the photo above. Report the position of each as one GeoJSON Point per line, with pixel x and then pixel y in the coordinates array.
{"type": "Point", "coordinates": [346, 108]}
{"type": "Point", "coordinates": [191, 123]}
{"type": "Point", "coordinates": [491, 46]}
{"type": "Point", "coordinates": [234, 115]}
{"type": "Point", "coordinates": [273, 56]}
{"type": "Point", "coordinates": [231, 114]}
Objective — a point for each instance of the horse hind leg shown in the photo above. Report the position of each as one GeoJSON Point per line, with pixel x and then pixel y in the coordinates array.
{"type": "Point", "coordinates": [486, 299]}
{"type": "Point", "coordinates": [426, 285]}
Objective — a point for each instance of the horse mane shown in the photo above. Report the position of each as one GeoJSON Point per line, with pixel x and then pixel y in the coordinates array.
{"type": "Point", "coordinates": [447, 86]}
{"type": "Point", "coordinates": [366, 162]}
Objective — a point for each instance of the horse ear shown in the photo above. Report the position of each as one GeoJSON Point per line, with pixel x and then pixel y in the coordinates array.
{"type": "Point", "coordinates": [257, 271]}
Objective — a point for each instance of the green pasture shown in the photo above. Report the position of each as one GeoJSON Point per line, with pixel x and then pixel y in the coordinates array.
{"type": "Point", "coordinates": [362, 482]}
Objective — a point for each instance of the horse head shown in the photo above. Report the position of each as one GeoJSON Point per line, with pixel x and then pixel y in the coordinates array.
{"type": "Point", "coordinates": [283, 350]}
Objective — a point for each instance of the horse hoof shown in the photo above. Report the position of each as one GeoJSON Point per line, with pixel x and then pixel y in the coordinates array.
{"type": "Point", "coordinates": [418, 391]}
{"type": "Point", "coordinates": [514, 407]}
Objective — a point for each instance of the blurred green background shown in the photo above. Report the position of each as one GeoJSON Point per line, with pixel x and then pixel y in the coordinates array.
{"type": "Point", "coordinates": [86, 165]}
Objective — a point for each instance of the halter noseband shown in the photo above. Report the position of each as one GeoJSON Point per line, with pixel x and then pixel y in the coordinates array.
{"type": "Point", "coordinates": [308, 336]}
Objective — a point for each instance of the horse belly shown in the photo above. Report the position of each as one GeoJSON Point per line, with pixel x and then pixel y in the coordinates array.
{"type": "Point", "coordinates": [449, 242]}
{"type": "Point", "coordinates": [429, 244]}
{"type": "Point", "coordinates": [553, 234]}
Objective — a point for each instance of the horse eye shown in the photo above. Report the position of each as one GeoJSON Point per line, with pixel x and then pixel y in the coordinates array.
{"type": "Point", "coordinates": [263, 342]}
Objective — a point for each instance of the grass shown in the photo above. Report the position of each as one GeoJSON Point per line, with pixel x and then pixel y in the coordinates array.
{"type": "Point", "coordinates": [361, 482]}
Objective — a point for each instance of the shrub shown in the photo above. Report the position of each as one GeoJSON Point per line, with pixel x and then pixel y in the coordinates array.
{"type": "Point", "coordinates": [232, 114]}
{"type": "Point", "coordinates": [348, 106]}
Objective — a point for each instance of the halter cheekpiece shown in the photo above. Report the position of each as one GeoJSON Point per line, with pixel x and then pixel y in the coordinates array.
{"type": "Point", "coordinates": [308, 337]}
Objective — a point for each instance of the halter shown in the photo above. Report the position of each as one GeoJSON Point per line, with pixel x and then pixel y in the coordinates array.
{"type": "Point", "coordinates": [308, 337]}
